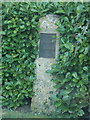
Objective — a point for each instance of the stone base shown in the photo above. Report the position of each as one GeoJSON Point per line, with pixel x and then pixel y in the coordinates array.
{"type": "Point", "coordinates": [43, 86]}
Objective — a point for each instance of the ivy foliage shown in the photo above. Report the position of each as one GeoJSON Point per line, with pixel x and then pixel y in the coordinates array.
{"type": "Point", "coordinates": [19, 49]}
{"type": "Point", "coordinates": [72, 70]}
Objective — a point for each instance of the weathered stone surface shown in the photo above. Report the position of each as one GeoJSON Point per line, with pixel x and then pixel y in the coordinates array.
{"type": "Point", "coordinates": [43, 86]}
{"type": "Point", "coordinates": [47, 23]}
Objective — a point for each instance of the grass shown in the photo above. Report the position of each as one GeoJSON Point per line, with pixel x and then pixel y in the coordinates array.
{"type": "Point", "coordinates": [16, 114]}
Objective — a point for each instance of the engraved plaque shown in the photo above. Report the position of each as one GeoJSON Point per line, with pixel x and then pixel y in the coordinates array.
{"type": "Point", "coordinates": [47, 45]}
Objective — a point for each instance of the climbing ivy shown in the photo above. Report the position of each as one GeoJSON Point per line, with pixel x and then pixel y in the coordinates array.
{"type": "Point", "coordinates": [19, 50]}
{"type": "Point", "coordinates": [20, 34]}
{"type": "Point", "coordinates": [71, 72]}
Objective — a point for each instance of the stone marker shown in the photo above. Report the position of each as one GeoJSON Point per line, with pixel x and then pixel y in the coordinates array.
{"type": "Point", "coordinates": [48, 52]}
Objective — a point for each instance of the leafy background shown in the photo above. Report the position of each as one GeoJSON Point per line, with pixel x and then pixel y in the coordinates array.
{"type": "Point", "coordinates": [20, 35]}
{"type": "Point", "coordinates": [19, 50]}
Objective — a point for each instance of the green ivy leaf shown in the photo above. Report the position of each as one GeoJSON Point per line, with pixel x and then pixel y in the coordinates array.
{"type": "Point", "coordinates": [75, 75]}
{"type": "Point", "coordinates": [60, 11]}
{"type": "Point", "coordinates": [85, 68]}
{"type": "Point", "coordinates": [69, 46]}
{"type": "Point", "coordinates": [53, 97]}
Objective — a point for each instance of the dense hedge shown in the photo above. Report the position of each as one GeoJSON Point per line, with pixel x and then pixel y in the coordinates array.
{"type": "Point", "coordinates": [72, 70]}
{"type": "Point", "coordinates": [19, 50]}
{"type": "Point", "coordinates": [70, 73]}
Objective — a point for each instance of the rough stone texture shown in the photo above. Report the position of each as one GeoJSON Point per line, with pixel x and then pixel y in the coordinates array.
{"type": "Point", "coordinates": [47, 23]}
{"type": "Point", "coordinates": [43, 86]}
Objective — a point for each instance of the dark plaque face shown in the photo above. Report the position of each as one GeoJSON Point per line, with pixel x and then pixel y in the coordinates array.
{"type": "Point", "coordinates": [47, 45]}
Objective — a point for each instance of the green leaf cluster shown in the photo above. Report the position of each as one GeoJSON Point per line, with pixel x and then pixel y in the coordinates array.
{"type": "Point", "coordinates": [72, 70]}
{"type": "Point", "coordinates": [19, 50]}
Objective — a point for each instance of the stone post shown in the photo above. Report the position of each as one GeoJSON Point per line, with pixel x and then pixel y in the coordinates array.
{"type": "Point", "coordinates": [43, 85]}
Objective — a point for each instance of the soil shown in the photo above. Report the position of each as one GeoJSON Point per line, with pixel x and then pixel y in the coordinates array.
{"type": "Point", "coordinates": [24, 108]}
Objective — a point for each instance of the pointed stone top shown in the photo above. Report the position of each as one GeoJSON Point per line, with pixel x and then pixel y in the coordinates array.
{"type": "Point", "coordinates": [47, 23]}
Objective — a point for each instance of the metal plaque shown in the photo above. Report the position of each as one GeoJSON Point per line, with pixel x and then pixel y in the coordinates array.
{"type": "Point", "coordinates": [47, 45]}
